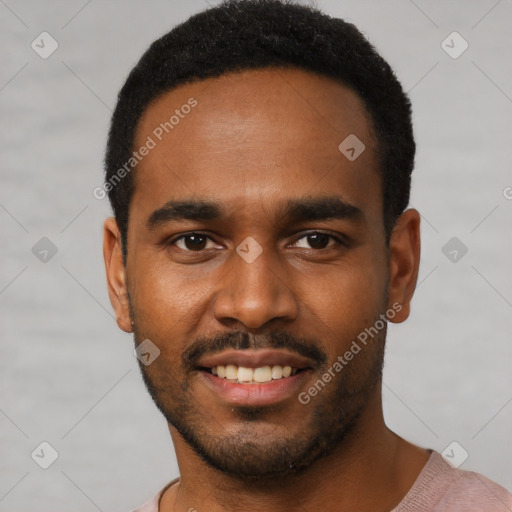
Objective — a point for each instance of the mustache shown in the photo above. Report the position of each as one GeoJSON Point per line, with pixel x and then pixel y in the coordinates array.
{"type": "Point", "coordinates": [241, 340]}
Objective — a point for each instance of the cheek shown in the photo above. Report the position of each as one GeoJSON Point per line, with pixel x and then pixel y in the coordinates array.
{"type": "Point", "coordinates": [346, 300]}
{"type": "Point", "coordinates": [172, 304]}
{"type": "Point", "coordinates": [162, 300]}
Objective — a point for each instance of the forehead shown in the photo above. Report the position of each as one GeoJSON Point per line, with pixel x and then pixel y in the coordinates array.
{"type": "Point", "coordinates": [246, 139]}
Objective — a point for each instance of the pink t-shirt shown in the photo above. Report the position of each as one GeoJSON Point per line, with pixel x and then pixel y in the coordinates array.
{"type": "Point", "coordinates": [438, 488]}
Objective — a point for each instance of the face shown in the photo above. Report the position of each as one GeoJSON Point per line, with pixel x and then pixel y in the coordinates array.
{"type": "Point", "coordinates": [255, 243]}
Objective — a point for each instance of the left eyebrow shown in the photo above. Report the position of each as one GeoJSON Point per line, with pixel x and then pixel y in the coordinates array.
{"type": "Point", "coordinates": [290, 211]}
{"type": "Point", "coordinates": [319, 208]}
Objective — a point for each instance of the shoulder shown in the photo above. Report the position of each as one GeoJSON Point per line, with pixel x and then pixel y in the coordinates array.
{"type": "Point", "coordinates": [443, 488]}
{"type": "Point", "coordinates": [152, 504]}
{"type": "Point", "coordinates": [476, 492]}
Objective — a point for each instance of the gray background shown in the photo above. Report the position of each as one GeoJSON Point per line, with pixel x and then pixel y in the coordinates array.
{"type": "Point", "coordinates": [68, 375]}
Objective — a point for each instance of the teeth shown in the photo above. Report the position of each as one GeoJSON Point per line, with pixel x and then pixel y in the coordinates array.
{"type": "Point", "coordinates": [277, 372]}
{"type": "Point", "coordinates": [245, 374]}
{"type": "Point", "coordinates": [261, 374]}
{"type": "Point", "coordinates": [231, 371]}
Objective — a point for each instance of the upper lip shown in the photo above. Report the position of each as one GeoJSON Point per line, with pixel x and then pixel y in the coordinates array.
{"type": "Point", "coordinates": [256, 358]}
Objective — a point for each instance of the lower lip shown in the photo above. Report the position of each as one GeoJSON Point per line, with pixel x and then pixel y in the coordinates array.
{"type": "Point", "coordinates": [255, 394]}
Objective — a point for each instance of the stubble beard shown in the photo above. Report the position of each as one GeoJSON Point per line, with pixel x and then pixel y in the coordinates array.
{"type": "Point", "coordinates": [327, 422]}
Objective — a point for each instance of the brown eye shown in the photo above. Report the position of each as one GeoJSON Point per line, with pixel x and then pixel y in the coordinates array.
{"type": "Point", "coordinates": [316, 240]}
{"type": "Point", "coordinates": [191, 242]}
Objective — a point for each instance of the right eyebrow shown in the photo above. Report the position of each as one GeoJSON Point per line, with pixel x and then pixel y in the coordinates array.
{"type": "Point", "coordinates": [183, 210]}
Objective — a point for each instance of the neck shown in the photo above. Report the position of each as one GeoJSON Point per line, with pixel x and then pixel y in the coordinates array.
{"type": "Point", "coordinates": [371, 470]}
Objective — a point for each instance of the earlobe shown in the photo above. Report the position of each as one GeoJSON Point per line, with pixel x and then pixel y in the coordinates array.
{"type": "Point", "coordinates": [404, 259]}
{"type": "Point", "coordinates": [116, 273]}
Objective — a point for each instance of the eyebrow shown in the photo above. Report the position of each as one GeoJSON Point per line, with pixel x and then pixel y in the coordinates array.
{"type": "Point", "coordinates": [291, 210]}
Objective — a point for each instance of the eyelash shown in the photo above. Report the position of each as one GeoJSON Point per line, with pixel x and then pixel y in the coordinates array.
{"type": "Point", "coordinates": [338, 240]}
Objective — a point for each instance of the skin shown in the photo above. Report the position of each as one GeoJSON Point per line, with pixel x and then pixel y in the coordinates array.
{"type": "Point", "coordinates": [255, 139]}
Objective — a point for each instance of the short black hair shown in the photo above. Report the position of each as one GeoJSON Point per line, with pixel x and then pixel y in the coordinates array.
{"type": "Point", "coordinates": [240, 35]}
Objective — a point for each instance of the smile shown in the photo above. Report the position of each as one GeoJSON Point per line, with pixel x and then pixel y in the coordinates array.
{"type": "Point", "coordinates": [242, 374]}
{"type": "Point", "coordinates": [254, 377]}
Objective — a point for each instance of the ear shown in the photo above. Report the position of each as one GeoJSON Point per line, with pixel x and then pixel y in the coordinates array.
{"type": "Point", "coordinates": [116, 273]}
{"type": "Point", "coordinates": [404, 261]}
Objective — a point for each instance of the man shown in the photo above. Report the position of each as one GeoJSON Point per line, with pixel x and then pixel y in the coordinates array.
{"type": "Point", "coordinates": [258, 165]}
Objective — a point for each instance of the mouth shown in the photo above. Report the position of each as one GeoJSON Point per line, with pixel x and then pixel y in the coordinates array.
{"type": "Point", "coordinates": [246, 375]}
{"type": "Point", "coordinates": [258, 377]}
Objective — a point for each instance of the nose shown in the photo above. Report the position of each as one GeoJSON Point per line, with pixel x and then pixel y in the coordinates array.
{"type": "Point", "coordinates": [255, 293]}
